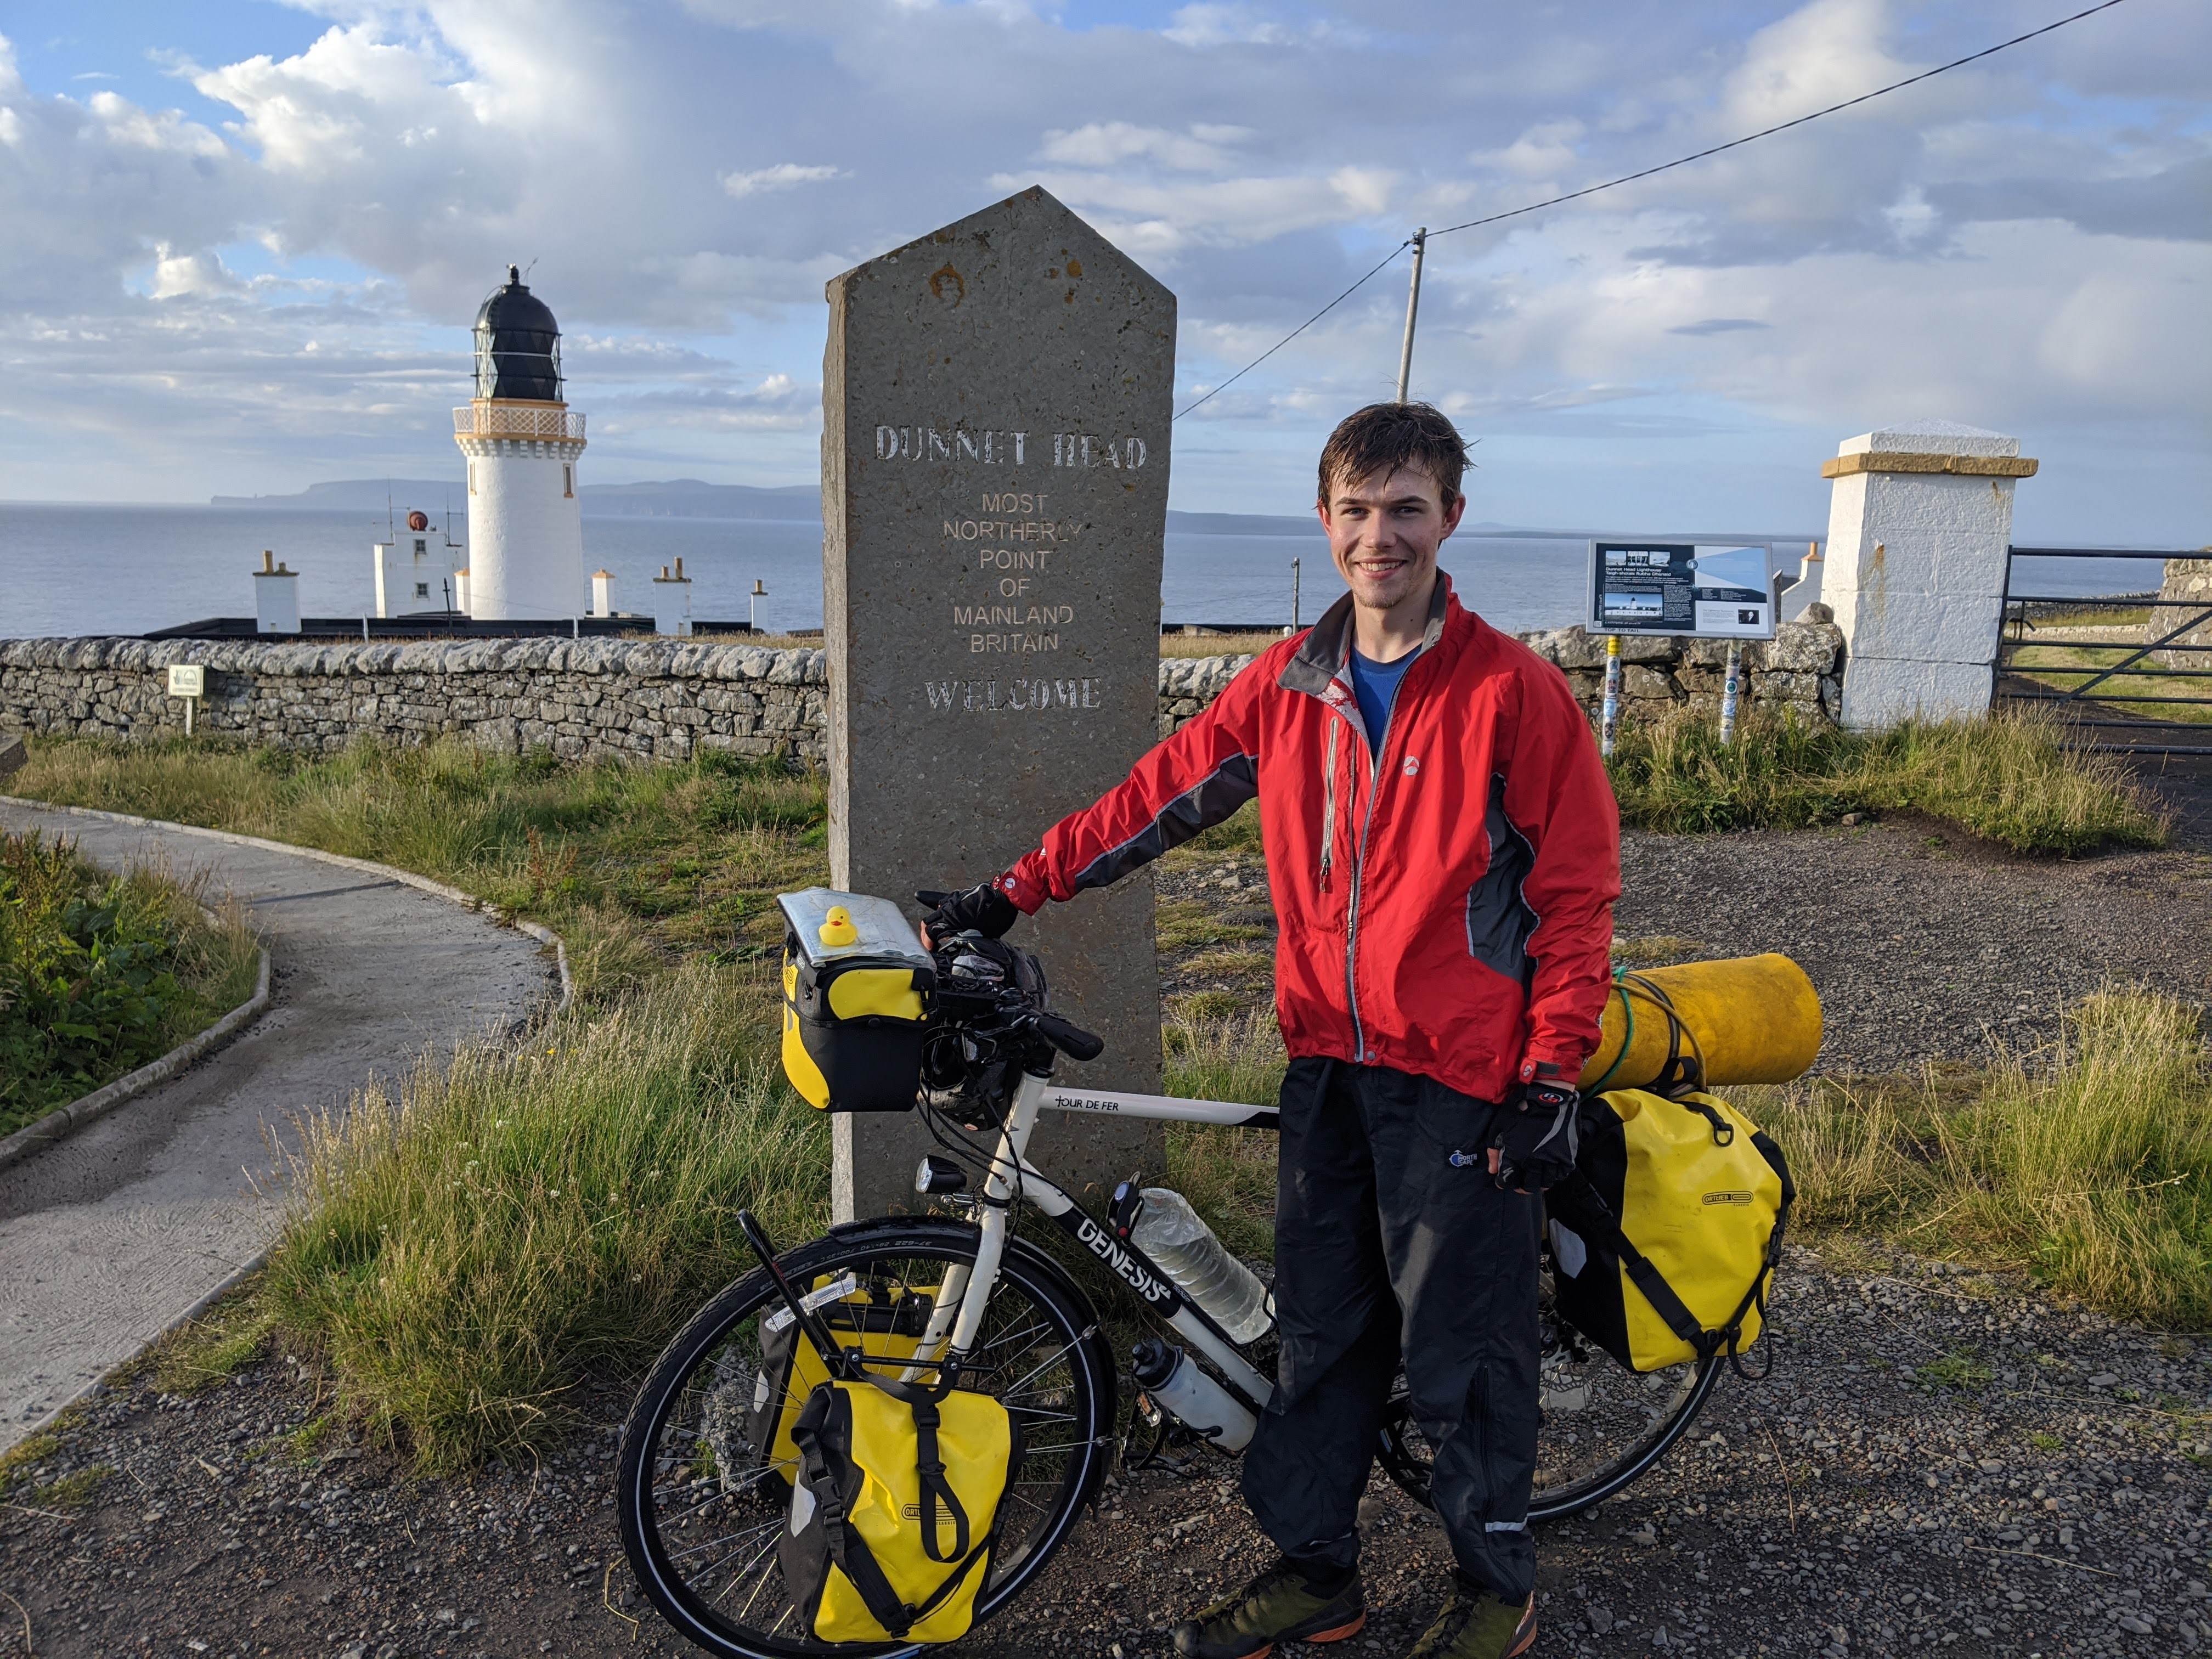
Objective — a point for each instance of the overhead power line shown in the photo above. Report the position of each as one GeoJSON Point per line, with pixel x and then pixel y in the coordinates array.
{"type": "Point", "coordinates": [1646, 173]}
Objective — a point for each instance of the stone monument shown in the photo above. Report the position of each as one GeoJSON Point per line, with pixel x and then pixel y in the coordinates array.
{"type": "Point", "coordinates": [995, 400]}
{"type": "Point", "coordinates": [1919, 522]}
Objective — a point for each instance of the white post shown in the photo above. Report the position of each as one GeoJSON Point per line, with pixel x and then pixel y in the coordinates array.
{"type": "Point", "coordinates": [671, 602]}
{"type": "Point", "coordinates": [1919, 523]}
{"type": "Point", "coordinates": [752, 605]}
{"type": "Point", "coordinates": [276, 597]}
{"type": "Point", "coordinates": [603, 592]}
{"type": "Point", "coordinates": [1609, 720]}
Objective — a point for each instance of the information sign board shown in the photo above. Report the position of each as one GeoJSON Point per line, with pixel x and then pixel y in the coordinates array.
{"type": "Point", "coordinates": [187, 680]}
{"type": "Point", "coordinates": [1714, 590]}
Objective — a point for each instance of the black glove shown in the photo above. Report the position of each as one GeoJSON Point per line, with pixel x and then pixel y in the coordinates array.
{"type": "Point", "coordinates": [983, 908]}
{"type": "Point", "coordinates": [1535, 1134]}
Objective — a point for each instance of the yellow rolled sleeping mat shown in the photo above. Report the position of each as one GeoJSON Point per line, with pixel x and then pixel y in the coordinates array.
{"type": "Point", "coordinates": [1749, 1019]}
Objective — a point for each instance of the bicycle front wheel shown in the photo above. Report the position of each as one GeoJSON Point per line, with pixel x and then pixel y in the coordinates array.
{"type": "Point", "coordinates": [703, 1486]}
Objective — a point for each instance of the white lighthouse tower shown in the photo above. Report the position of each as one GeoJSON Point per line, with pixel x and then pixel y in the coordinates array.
{"type": "Point", "coordinates": [525, 523]}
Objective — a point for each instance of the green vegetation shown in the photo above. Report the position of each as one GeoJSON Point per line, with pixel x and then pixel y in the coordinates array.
{"type": "Point", "coordinates": [2005, 778]}
{"type": "Point", "coordinates": [463, 1254]}
{"type": "Point", "coordinates": [1217, 645]}
{"type": "Point", "coordinates": [633, 866]}
{"type": "Point", "coordinates": [1963, 1368]}
{"type": "Point", "coordinates": [1228, 1175]}
{"type": "Point", "coordinates": [2089, 1165]}
{"type": "Point", "coordinates": [2071, 666]}
{"type": "Point", "coordinates": [29, 1475]}
{"type": "Point", "coordinates": [99, 974]}
{"type": "Point", "coordinates": [214, 1347]}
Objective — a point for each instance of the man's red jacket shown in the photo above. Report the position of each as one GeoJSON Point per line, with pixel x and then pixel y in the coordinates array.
{"type": "Point", "coordinates": [1446, 908]}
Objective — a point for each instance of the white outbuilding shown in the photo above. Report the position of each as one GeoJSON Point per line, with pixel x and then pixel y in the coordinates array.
{"type": "Point", "coordinates": [523, 444]}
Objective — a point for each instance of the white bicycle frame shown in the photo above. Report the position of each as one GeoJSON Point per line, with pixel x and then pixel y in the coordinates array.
{"type": "Point", "coordinates": [958, 1315]}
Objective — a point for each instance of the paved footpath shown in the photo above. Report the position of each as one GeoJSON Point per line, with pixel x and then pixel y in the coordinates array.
{"type": "Point", "coordinates": [108, 1236]}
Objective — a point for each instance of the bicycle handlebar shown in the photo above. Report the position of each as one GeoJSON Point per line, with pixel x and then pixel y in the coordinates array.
{"type": "Point", "coordinates": [1071, 1039]}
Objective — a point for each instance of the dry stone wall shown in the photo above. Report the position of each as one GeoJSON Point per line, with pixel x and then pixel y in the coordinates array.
{"type": "Point", "coordinates": [667, 700]}
{"type": "Point", "coordinates": [1800, 671]}
{"type": "Point", "coordinates": [659, 699]}
{"type": "Point", "coordinates": [2183, 596]}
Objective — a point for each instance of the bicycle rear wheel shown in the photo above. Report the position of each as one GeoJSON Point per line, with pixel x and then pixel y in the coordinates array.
{"type": "Point", "coordinates": [700, 1505]}
{"type": "Point", "coordinates": [1604, 1425]}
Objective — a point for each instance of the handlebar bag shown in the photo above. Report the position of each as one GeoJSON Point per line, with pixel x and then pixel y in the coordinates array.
{"type": "Point", "coordinates": [1664, 1241]}
{"type": "Point", "coordinates": [894, 1515]}
{"type": "Point", "coordinates": [882, 1320]}
{"type": "Point", "coordinates": [857, 987]}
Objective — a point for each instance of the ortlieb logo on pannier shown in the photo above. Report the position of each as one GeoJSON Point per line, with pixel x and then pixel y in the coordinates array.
{"type": "Point", "coordinates": [895, 1512]}
{"type": "Point", "coordinates": [1663, 1240]}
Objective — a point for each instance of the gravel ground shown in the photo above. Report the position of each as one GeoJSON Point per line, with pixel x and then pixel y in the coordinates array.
{"type": "Point", "coordinates": [1940, 1462]}
{"type": "Point", "coordinates": [1924, 944]}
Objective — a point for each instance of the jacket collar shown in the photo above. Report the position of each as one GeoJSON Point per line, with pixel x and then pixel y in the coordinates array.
{"type": "Point", "coordinates": [1321, 659]}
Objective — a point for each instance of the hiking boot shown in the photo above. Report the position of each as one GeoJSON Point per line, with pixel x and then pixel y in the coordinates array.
{"type": "Point", "coordinates": [1276, 1607]}
{"type": "Point", "coordinates": [1474, 1624]}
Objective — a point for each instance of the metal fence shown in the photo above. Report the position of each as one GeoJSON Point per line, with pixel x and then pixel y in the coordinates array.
{"type": "Point", "coordinates": [2110, 682]}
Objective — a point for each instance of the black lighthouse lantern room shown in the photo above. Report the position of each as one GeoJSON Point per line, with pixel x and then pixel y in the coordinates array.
{"type": "Point", "coordinates": [518, 345]}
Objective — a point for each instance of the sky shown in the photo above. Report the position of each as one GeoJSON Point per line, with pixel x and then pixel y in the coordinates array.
{"type": "Point", "coordinates": [242, 242]}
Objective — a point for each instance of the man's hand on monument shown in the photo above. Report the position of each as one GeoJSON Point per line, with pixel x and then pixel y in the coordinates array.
{"type": "Point", "coordinates": [983, 908]}
{"type": "Point", "coordinates": [1535, 1134]}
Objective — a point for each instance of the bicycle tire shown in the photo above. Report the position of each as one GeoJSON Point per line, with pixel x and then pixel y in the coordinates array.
{"type": "Point", "coordinates": [682, 1436]}
{"type": "Point", "coordinates": [1563, 1485]}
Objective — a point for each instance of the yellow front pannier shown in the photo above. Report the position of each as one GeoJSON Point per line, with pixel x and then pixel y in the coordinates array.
{"type": "Point", "coordinates": [857, 986]}
{"type": "Point", "coordinates": [895, 1514]}
{"type": "Point", "coordinates": [1662, 1249]}
{"type": "Point", "coordinates": [880, 1319]}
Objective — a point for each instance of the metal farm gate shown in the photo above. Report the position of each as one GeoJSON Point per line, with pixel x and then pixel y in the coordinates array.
{"type": "Point", "coordinates": [2111, 681]}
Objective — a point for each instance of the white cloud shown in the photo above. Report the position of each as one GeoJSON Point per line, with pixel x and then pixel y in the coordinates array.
{"type": "Point", "coordinates": [2023, 243]}
{"type": "Point", "coordinates": [785, 175]}
{"type": "Point", "coordinates": [1209, 25]}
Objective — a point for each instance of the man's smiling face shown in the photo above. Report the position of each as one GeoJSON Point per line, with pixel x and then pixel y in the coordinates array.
{"type": "Point", "coordinates": [1384, 533]}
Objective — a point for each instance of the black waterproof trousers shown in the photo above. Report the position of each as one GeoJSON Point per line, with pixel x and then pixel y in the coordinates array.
{"type": "Point", "coordinates": [1384, 1247]}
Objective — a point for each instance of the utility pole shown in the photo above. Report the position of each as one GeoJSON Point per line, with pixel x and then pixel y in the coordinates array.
{"type": "Point", "coordinates": [1412, 310]}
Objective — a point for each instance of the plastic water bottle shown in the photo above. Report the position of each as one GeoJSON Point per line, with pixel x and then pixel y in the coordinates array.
{"type": "Point", "coordinates": [1174, 1235]}
{"type": "Point", "coordinates": [1174, 1382]}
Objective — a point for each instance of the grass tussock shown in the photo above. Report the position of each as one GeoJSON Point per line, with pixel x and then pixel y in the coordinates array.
{"type": "Point", "coordinates": [635, 867]}
{"type": "Point", "coordinates": [1228, 1175]}
{"type": "Point", "coordinates": [2088, 1164]}
{"type": "Point", "coordinates": [101, 973]}
{"type": "Point", "coordinates": [2006, 778]}
{"type": "Point", "coordinates": [463, 1254]}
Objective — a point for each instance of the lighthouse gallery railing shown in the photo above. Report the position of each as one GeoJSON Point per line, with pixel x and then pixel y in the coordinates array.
{"type": "Point", "coordinates": [488, 420]}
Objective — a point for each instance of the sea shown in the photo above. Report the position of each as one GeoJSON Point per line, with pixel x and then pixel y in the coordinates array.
{"type": "Point", "coordinates": [73, 569]}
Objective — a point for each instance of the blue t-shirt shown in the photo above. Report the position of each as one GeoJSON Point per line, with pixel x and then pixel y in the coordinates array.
{"type": "Point", "coordinates": [1374, 683]}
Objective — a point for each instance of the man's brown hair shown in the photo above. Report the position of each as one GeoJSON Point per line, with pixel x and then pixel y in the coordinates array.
{"type": "Point", "coordinates": [1381, 438]}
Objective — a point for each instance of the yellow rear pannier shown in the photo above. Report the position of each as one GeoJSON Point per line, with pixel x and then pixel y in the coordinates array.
{"type": "Point", "coordinates": [1662, 1244]}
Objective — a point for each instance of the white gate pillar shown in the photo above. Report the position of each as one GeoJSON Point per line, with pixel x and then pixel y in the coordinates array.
{"type": "Point", "coordinates": [1918, 523]}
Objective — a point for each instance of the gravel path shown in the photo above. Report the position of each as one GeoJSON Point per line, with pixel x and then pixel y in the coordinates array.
{"type": "Point", "coordinates": [1939, 1462]}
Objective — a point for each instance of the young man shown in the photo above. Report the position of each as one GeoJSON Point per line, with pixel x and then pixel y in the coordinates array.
{"type": "Point", "coordinates": [1443, 854]}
